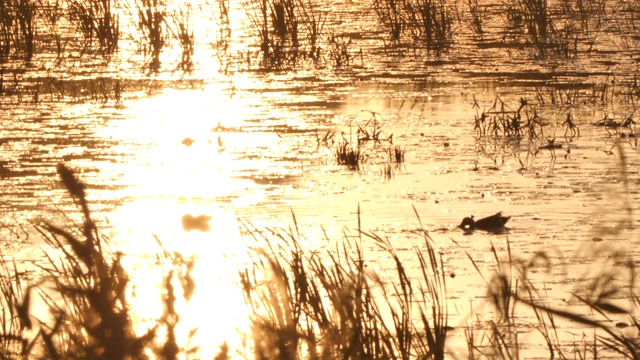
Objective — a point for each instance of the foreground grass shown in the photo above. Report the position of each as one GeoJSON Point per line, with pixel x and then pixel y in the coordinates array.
{"type": "Point", "coordinates": [312, 304]}
{"type": "Point", "coordinates": [323, 305]}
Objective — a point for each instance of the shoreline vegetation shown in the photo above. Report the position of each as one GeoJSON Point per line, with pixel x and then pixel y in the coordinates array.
{"type": "Point", "coordinates": [312, 304]}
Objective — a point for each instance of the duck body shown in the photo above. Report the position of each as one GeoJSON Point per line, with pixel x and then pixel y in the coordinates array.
{"type": "Point", "coordinates": [494, 223]}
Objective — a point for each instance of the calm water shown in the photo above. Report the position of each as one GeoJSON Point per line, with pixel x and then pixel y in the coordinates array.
{"type": "Point", "coordinates": [256, 154]}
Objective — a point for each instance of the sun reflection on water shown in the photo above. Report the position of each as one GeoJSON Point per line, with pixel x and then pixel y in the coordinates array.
{"type": "Point", "coordinates": [216, 311]}
{"type": "Point", "coordinates": [168, 178]}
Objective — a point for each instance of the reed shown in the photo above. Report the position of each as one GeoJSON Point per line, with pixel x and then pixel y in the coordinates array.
{"type": "Point", "coordinates": [606, 289]}
{"type": "Point", "coordinates": [430, 23]}
{"type": "Point", "coordinates": [182, 30]}
{"type": "Point", "coordinates": [386, 172]}
{"type": "Point", "coordinates": [591, 13]}
{"type": "Point", "coordinates": [326, 304]}
{"type": "Point", "coordinates": [426, 336]}
{"type": "Point", "coordinates": [372, 129]}
{"type": "Point", "coordinates": [277, 24]}
{"type": "Point", "coordinates": [93, 318]}
{"type": "Point", "coordinates": [543, 32]}
{"type": "Point", "coordinates": [391, 14]}
{"type": "Point", "coordinates": [501, 120]}
{"type": "Point", "coordinates": [608, 292]}
{"type": "Point", "coordinates": [396, 154]}
{"type": "Point", "coordinates": [340, 51]}
{"type": "Point", "coordinates": [506, 282]}
{"type": "Point", "coordinates": [313, 22]}
{"type": "Point", "coordinates": [222, 35]}
{"type": "Point", "coordinates": [52, 13]}
{"type": "Point", "coordinates": [152, 22]}
{"type": "Point", "coordinates": [97, 23]}
{"type": "Point", "coordinates": [346, 155]}
{"type": "Point", "coordinates": [326, 139]}
{"type": "Point", "coordinates": [15, 319]}
{"type": "Point", "coordinates": [6, 31]}
{"type": "Point", "coordinates": [25, 14]}
{"type": "Point", "coordinates": [305, 303]}
{"type": "Point", "coordinates": [86, 292]}
{"type": "Point", "coordinates": [477, 16]}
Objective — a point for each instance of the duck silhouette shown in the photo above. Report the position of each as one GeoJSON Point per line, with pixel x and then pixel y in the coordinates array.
{"type": "Point", "coordinates": [494, 223]}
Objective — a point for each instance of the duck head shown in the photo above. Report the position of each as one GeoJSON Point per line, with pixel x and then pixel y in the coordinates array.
{"type": "Point", "coordinates": [467, 224]}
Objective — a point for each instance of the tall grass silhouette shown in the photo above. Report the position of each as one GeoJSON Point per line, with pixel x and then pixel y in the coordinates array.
{"type": "Point", "coordinates": [86, 293]}
{"type": "Point", "coordinates": [305, 302]}
{"type": "Point", "coordinates": [327, 304]}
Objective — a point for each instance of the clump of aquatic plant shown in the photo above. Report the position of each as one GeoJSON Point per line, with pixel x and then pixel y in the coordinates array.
{"type": "Point", "coordinates": [477, 16]}
{"type": "Point", "coordinates": [347, 155]}
{"type": "Point", "coordinates": [18, 29]}
{"type": "Point", "coordinates": [430, 23]}
{"type": "Point", "coordinates": [494, 332]}
{"type": "Point", "coordinates": [222, 35]}
{"type": "Point", "coordinates": [152, 22]}
{"type": "Point", "coordinates": [571, 128]}
{"type": "Point", "coordinates": [387, 171]}
{"type": "Point", "coordinates": [617, 127]}
{"type": "Point", "coordinates": [327, 304]}
{"type": "Point", "coordinates": [550, 146]}
{"type": "Point", "coordinates": [371, 130]}
{"type": "Point", "coordinates": [25, 13]}
{"type": "Point", "coordinates": [591, 13]}
{"type": "Point", "coordinates": [340, 51]}
{"type": "Point", "coordinates": [430, 293]}
{"type": "Point", "coordinates": [15, 319]}
{"type": "Point", "coordinates": [182, 30]}
{"type": "Point", "coordinates": [97, 23]}
{"type": "Point", "coordinates": [392, 15]}
{"type": "Point", "coordinates": [98, 89]}
{"type": "Point", "coordinates": [52, 13]}
{"type": "Point", "coordinates": [313, 22]}
{"type": "Point", "coordinates": [607, 293]}
{"type": "Point", "coordinates": [543, 31]}
{"type": "Point", "coordinates": [603, 299]}
{"type": "Point", "coordinates": [608, 93]}
{"type": "Point", "coordinates": [631, 93]}
{"type": "Point", "coordinates": [326, 139]}
{"type": "Point", "coordinates": [396, 154]}
{"type": "Point", "coordinates": [501, 120]}
{"type": "Point", "coordinates": [276, 22]}
{"type": "Point", "coordinates": [181, 269]}
{"type": "Point", "coordinates": [539, 24]}
{"type": "Point", "coordinates": [290, 31]}
{"type": "Point", "coordinates": [6, 31]}
{"type": "Point", "coordinates": [560, 94]}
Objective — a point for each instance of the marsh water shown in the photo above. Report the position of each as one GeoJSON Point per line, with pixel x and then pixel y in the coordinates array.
{"type": "Point", "coordinates": [234, 141]}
